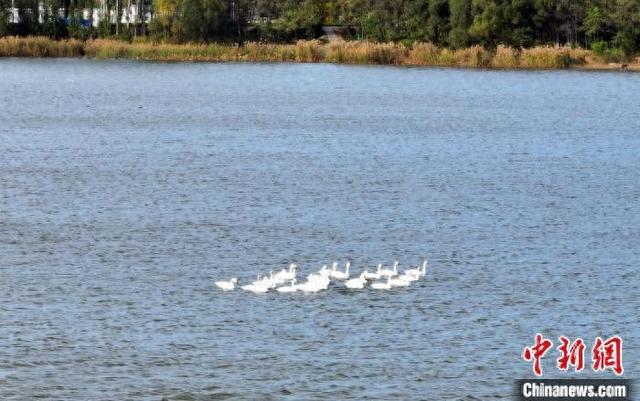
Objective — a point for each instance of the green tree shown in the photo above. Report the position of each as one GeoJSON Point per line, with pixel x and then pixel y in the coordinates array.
{"type": "Point", "coordinates": [543, 19]}
{"type": "Point", "coordinates": [214, 15]}
{"type": "Point", "coordinates": [415, 17]}
{"type": "Point", "coordinates": [461, 20]}
{"type": "Point", "coordinates": [190, 26]}
{"type": "Point", "coordinates": [487, 22]}
{"type": "Point", "coordinates": [593, 23]}
{"type": "Point", "coordinates": [567, 15]}
{"type": "Point", "coordinates": [373, 26]}
{"type": "Point", "coordinates": [627, 21]}
{"type": "Point", "coordinates": [5, 14]}
{"type": "Point", "coordinates": [438, 22]}
{"type": "Point", "coordinates": [309, 17]}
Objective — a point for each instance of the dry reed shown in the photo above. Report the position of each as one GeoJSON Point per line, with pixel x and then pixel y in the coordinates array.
{"type": "Point", "coordinates": [39, 47]}
{"type": "Point", "coordinates": [548, 57]}
{"type": "Point", "coordinates": [347, 52]}
{"type": "Point", "coordinates": [505, 57]}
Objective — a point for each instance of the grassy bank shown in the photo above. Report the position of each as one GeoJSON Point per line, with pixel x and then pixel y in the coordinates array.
{"type": "Point", "coordinates": [419, 54]}
{"type": "Point", "coordinates": [39, 47]}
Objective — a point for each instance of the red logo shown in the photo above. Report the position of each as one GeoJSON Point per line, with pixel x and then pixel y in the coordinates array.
{"type": "Point", "coordinates": [605, 354]}
{"type": "Point", "coordinates": [608, 354]}
{"type": "Point", "coordinates": [571, 354]}
{"type": "Point", "coordinates": [537, 352]}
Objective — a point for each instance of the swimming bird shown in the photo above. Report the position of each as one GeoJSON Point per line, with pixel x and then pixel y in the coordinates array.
{"type": "Point", "coordinates": [373, 276]}
{"type": "Point", "coordinates": [409, 277]}
{"type": "Point", "coordinates": [308, 286]}
{"type": "Point", "coordinates": [418, 271]}
{"type": "Point", "coordinates": [260, 286]}
{"type": "Point", "coordinates": [334, 267]}
{"type": "Point", "coordinates": [268, 281]}
{"type": "Point", "coordinates": [319, 280]}
{"type": "Point", "coordinates": [315, 282]}
{"type": "Point", "coordinates": [424, 268]}
{"type": "Point", "coordinates": [341, 275]}
{"type": "Point", "coordinates": [287, 275]}
{"type": "Point", "coordinates": [390, 273]}
{"type": "Point", "coordinates": [288, 288]}
{"type": "Point", "coordinates": [275, 279]}
{"type": "Point", "coordinates": [356, 283]}
{"type": "Point", "coordinates": [324, 271]}
{"type": "Point", "coordinates": [255, 288]}
{"type": "Point", "coordinates": [399, 281]}
{"type": "Point", "coordinates": [381, 285]}
{"type": "Point", "coordinates": [227, 285]}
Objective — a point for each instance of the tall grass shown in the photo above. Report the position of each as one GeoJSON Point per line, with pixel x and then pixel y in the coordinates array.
{"type": "Point", "coordinates": [106, 48]}
{"type": "Point", "coordinates": [426, 54]}
{"type": "Point", "coordinates": [348, 52]}
{"type": "Point", "coordinates": [475, 56]}
{"type": "Point", "coordinates": [364, 53]}
{"type": "Point", "coordinates": [429, 54]}
{"type": "Point", "coordinates": [505, 57]}
{"type": "Point", "coordinates": [309, 51]}
{"type": "Point", "coordinates": [548, 58]}
{"type": "Point", "coordinates": [39, 47]}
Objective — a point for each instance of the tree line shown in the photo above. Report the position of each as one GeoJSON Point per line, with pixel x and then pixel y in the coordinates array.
{"type": "Point", "coordinates": [604, 25]}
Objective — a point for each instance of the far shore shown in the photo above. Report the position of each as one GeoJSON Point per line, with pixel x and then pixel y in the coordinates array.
{"type": "Point", "coordinates": [338, 52]}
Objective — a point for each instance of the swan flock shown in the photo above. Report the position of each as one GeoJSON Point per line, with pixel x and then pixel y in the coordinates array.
{"type": "Point", "coordinates": [286, 280]}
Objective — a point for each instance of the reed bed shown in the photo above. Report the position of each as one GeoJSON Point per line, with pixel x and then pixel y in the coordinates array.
{"type": "Point", "coordinates": [505, 57]}
{"type": "Point", "coordinates": [105, 48]}
{"type": "Point", "coordinates": [342, 52]}
{"type": "Point", "coordinates": [474, 57]}
{"type": "Point", "coordinates": [428, 54]}
{"type": "Point", "coordinates": [313, 51]}
{"type": "Point", "coordinates": [547, 58]}
{"type": "Point", "coordinates": [39, 47]}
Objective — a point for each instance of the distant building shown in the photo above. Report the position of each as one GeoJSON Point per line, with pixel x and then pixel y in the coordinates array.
{"type": "Point", "coordinates": [130, 14]}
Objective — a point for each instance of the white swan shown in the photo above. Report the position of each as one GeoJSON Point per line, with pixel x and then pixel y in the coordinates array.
{"type": "Point", "coordinates": [324, 271]}
{"type": "Point", "coordinates": [270, 282]}
{"type": "Point", "coordinates": [288, 288]}
{"type": "Point", "coordinates": [276, 279]}
{"type": "Point", "coordinates": [334, 268]}
{"type": "Point", "coordinates": [418, 271]}
{"type": "Point", "coordinates": [424, 268]}
{"type": "Point", "coordinates": [255, 288]}
{"type": "Point", "coordinates": [381, 285]}
{"type": "Point", "coordinates": [309, 286]}
{"type": "Point", "coordinates": [409, 277]}
{"type": "Point", "coordinates": [356, 283]}
{"type": "Point", "coordinates": [227, 285]}
{"type": "Point", "coordinates": [390, 273]}
{"type": "Point", "coordinates": [341, 275]}
{"type": "Point", "coordinates": [315, 282]}
{"type": "Point", "coordinates": [373, 276]}
{"type": "Point", "coordinates": [399, 281]}
{"type": "Point", "coordinates": [287, 274]}
{"type": "Point", "coordinates": [260, 286]}
{"type": "Point", "coordinates": [320, 281]}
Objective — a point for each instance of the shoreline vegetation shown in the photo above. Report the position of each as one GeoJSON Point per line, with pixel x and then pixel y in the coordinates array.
{"type": "Point", "coordinates": [315, 51]}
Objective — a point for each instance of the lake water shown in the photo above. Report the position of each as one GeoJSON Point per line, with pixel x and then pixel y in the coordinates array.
{"type": "Point", "coordinates": [127, 189]}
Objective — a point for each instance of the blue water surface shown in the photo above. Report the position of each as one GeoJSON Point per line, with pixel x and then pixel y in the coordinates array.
{"type": "Point", "coordinates": [128, 188]}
